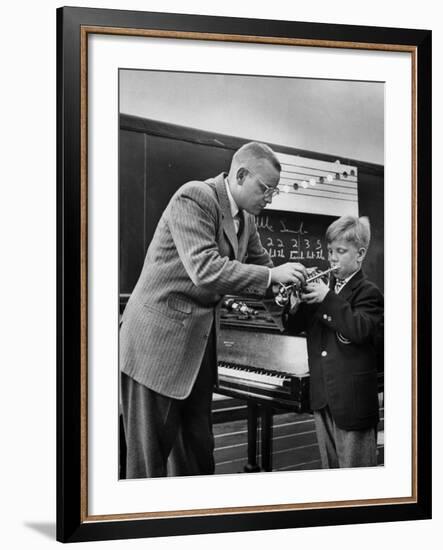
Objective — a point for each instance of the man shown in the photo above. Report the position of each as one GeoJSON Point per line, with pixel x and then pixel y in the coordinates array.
{"type": "Point", "coordinates": [206, 245]}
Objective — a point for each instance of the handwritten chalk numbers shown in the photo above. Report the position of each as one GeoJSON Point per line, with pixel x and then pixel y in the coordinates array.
{"type": "Point", "coordinates": [319, 251]}
{"type": "Point", "coordinates": [275, 247]}
{"type": "Point", "coordinates": [294, 237]}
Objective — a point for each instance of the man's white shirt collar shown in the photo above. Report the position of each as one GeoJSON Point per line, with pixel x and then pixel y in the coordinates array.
{"type": "Point", "coordinates": [234, 208]}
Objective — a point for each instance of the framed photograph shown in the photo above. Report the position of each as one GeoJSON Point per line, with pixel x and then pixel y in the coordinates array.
{"type": "Point", "coordinates": [244, 269]}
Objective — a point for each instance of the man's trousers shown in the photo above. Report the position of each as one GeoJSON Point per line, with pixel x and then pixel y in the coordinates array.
{"type": "Point", "coordinates": [158, 427]}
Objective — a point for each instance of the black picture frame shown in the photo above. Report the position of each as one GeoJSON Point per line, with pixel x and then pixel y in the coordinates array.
{"type": "Point", "coordinates": [73, 25]}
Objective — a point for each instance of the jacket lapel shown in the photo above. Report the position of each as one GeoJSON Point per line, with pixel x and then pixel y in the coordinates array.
{"type": "Point", "coordinates": [227, 221]}
{"type": "Point", "coordinates": [348, 289]}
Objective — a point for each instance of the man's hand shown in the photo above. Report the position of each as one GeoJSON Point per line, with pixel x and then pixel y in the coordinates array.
{"type": "Point", "coordinates": [289, 273]}
{"type": "Point", "coordinates": [314, 293]}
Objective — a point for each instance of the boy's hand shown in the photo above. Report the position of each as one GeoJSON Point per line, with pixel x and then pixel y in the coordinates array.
{"type": "Point", "coordinates": [314, 293]}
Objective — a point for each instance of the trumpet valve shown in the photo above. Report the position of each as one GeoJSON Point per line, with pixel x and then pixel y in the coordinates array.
{"type": "Point", "coordinates": [282, 297]}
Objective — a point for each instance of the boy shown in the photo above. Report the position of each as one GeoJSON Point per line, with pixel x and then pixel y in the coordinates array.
{"type": "Point", "coordinates": [342, 321]}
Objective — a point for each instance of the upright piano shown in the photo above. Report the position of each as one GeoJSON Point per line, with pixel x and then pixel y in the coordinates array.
{"type": "Point", "coordinates": [259, 364]}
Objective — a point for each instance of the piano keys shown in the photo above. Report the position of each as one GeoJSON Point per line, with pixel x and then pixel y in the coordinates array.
{"type": "Point", "coordinates": [262, 367]}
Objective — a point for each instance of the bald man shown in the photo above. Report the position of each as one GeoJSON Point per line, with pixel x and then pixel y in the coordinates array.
{"type": "Point", "coordinates": [206, 245]}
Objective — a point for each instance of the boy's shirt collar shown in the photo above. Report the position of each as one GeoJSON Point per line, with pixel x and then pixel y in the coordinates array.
{"type": "Point", "coordinates": [340, 283]}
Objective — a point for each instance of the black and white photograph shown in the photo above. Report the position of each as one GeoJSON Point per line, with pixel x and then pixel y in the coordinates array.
{"type": "Point", "coordinates": [244, 256]}
{"type": "Point", "coordinates": [219, 231]}
{"type": "Point", "coordinates": [251, 273]}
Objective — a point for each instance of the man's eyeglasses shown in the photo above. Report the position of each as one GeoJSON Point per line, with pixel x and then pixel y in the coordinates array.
{"type": "Point", "coordinates": [269, 192]}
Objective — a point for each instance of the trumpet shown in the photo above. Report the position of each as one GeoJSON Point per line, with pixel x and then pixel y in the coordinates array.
{"type": "Point", "coordinates": [284, 292]}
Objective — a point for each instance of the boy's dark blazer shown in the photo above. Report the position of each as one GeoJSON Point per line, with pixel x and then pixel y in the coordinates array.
{"type": "Point", "coordinates": [341, 335]}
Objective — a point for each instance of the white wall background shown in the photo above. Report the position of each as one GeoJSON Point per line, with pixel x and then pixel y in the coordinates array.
{"type": "Point", "coordinates": [27, 218]}
{"type": "Point", "coordinates": [336, 117]}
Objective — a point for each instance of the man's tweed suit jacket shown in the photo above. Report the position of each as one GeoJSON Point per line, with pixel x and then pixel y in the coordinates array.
{"type": "Point", "coordinates": [193, 260]}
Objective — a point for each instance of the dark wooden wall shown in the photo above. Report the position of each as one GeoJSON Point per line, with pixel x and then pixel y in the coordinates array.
{"type": "Point", "coordinates": [156, 158]}
{"type": "Point", "coordinates": [371, 203]}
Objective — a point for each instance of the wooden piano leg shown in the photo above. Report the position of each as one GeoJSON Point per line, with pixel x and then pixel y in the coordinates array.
{"type": "Point", "coordinates": [266, 438]}
{"type": "Point", "coordinates": [252, 465]}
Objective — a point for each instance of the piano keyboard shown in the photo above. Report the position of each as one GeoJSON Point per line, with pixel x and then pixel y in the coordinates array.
{"type": "Point", "coordinates": [278, 389]}
{"type": "Point", "coordinates": [263, 367]}
{"type": "Point", "coordinates": [254, 376]}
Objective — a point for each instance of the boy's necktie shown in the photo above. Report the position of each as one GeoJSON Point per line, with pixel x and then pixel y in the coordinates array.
{"type": "Point", "coordinates": [339, 284]}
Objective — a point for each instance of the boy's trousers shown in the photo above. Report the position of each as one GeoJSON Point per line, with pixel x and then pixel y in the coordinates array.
{"type": "Point", "coordinates": [344, 448]}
